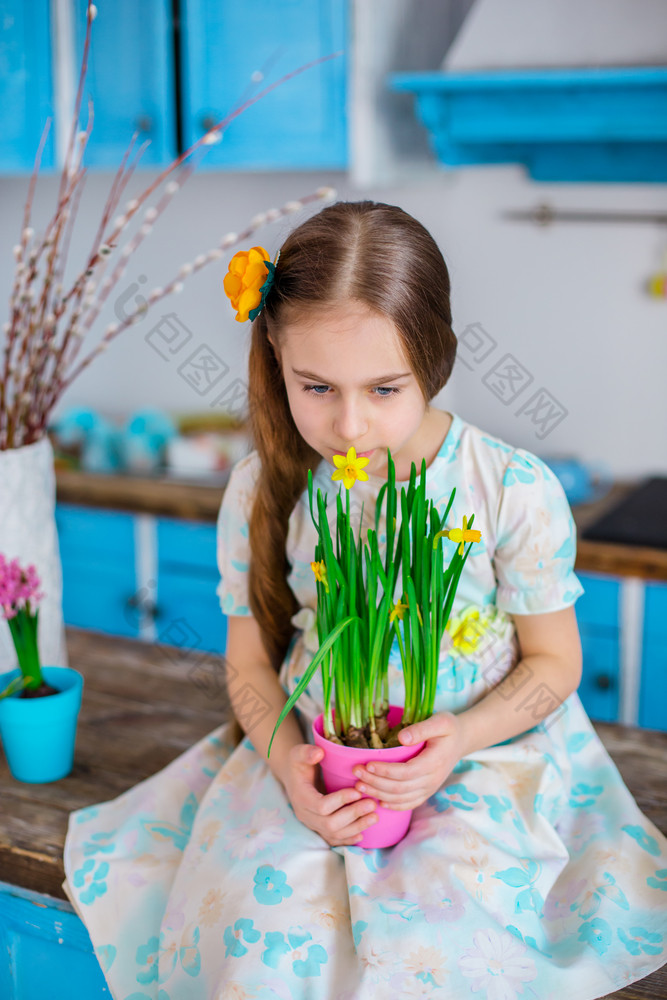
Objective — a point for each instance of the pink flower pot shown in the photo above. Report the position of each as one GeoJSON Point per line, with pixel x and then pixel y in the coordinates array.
{"type": "Point", "coordinates": [338, 765]}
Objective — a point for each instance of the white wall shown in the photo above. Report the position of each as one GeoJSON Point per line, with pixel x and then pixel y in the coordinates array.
{"type": "Point", "coordinates": [534, 33]}
{"type": "Point", "coordinates": [566, 301]}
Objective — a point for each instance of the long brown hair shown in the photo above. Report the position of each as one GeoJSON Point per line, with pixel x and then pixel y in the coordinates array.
{"type": "Point", "coordinates": [365, 251]}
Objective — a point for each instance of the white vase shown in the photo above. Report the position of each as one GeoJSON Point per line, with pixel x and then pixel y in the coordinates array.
{"type": "Point", "coordinates": [28, 532]}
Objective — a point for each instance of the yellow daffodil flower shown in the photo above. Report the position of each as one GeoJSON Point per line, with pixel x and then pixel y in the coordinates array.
{"type": "Point", "coordinates": [464, 534]}
{"type": "Point", "coordinates": [397, 611]}
{"type": "Point", "coordinates": [349, 468]}
{"type": "Point", "coordinates": [320, 571]}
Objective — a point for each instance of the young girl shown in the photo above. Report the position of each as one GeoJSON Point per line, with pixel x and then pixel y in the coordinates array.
{"type": "Point", "coordinates": [528, 869]}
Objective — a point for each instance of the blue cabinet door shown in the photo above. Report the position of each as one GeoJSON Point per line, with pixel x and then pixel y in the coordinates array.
{"type": "Point", "coordinates": [26, 93]}
{"type": "Point", "coordinates": [98, 558]}
{"type": "Point", "coordinates": [598, 618]}
{"type": "Point", "coordinates": [231, 51]}
{"type": "Point", "coordinates": [653, 687]}
{"type": "Point", "coordinates": [188, 609]}
{"type": "Point", "coordinates": [599, 605]}
{"type": "Point", "coordinates": [599, 685]}
{"type": "Point", "coordinates": [130, 80]}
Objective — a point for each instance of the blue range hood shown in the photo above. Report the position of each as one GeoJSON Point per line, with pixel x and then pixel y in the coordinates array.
{"type": "Point", "coordinates": [603, 124]}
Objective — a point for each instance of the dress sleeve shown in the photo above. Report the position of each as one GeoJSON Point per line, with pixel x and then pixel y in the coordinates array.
{"type": "Point", "coordinates": [233, 543]}
{"type": "Point", "coordinates": [536, 540]}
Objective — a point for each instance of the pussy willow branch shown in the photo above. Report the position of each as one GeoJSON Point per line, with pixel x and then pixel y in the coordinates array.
{"type": "Point", "coordinates": [35, 393]}
{"type": "Point", "coordinates": [206, 140]}
{"type": "Point", "coordinates": [67, 171]}
{"type": "Point", "coordinates": [176, 284]}
{"type": "Point", "coordinates": [97, 260]}
{"type": "Point", "coordinates": [51, 350]}
{"type": "Point", "coordinates": [10, 327]}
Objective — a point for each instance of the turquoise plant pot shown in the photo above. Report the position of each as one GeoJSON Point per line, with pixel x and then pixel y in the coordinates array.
{"type": "Point", "coordinates": [38, 734]}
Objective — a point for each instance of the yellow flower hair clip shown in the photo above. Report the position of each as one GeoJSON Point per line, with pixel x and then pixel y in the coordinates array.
{"type": "Point", "coordinates": [248, 281]}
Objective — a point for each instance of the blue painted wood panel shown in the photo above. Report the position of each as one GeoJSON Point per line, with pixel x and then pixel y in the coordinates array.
{"type": "Point", "coordinates": [26, 91]}
{"type": "Point", "coordinates": [45, 950]}
{"type": "Point", "coordinates": [653, 687]}
{"type": "Point", "coordinates": [653, 690]}
{"type": "Point", "coordinates": [187, 545]}
{"type": "Point", "coordinates": [600, 124]}
{"type": "Point", "coordinates": [98, 558]}
{"type": "Point", "coordinates": [189, 614]}
{"type": "Point", "coordinates": [655, 611]}
{"type": "Point", "coordinates": [599, 605]}
{"type": "Point", "coordinates": [302, 124]}
{"type": "Point", "coordinates": [599, 685]}
{"type": "Point", "coordinates": [598, 618]}
{"type": "Point", "coordinates": [130, 79]}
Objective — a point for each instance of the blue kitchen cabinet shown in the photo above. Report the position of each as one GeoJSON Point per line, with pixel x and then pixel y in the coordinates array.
{"type": "Point", "coordinates": [653, 684]}
{"type": "Point", "coordinates": [26, 90]}
{"type": "Point", "coordinates": [598, 617]}
{"type": "Point", "coordinates": [97, 550]}
{"type": "Point", "coordinates": [130, 80]}
{"type": "Point", "coordinates": [227, 47]}
{"type": "Point", "coordinates": [188, 610]}
{"type": "Point", "coordinates": [103, 589]}
{"type": "Point", "coordinates": [47, 951]}
{"type": "Point", "coordinates": [171, 79]}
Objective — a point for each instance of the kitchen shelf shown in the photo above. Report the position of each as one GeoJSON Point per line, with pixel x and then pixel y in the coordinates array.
{"type": "Point", "coordinates": [599, 124]}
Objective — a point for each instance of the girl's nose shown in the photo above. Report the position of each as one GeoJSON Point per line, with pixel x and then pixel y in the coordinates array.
{"type": "Point", "coordinates": [351, 425]}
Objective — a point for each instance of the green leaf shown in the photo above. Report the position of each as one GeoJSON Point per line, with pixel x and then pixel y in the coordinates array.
{"type": "Point", "coordinates": [310, 499]}
{"type": "Point", "coordinates": [305, 680]}
{"type": "Point", "coordinates": [16, 685]}
{"type": "Point", "coordinates": [378, 505]}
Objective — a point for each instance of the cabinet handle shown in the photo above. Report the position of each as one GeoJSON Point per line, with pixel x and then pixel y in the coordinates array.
{"type": "Point", "coordinates": [207, 122]}
{"type": "Point", "coordinates": [149, 608]}
{"type": "Point", "coordinates": [603, 682]}
{"type": "Point", "coordinates": [144, 123]}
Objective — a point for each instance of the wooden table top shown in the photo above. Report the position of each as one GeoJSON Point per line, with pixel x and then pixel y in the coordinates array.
{"type": "Point", "coordinates": [144, 705]}
{"type": "Point", "coordinates": [200, 500]}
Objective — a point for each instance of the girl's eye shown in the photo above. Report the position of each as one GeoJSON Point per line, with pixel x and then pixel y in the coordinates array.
{"type": "Point", "coordinates": [380, 389]}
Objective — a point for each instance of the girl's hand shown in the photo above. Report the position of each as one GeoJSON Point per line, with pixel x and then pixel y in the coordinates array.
{"type": "Point", "coordinates": [406, 784]}
{"type": "Point", "coordinates": [339, 817]}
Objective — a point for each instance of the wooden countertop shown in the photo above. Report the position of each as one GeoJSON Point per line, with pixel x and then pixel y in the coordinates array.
{"type": "Point", "coordinates": [144, 704]}
{"type": "Point", "coordinates": [167, 496]}
{"type": "Point", "coordinates": [200, 500]}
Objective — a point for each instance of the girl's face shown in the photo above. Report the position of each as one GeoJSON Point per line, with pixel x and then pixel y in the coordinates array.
{"type": "Point", "coordinates": [348, 384]}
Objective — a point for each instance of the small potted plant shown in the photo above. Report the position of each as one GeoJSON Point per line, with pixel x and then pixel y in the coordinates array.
{"type": "Point", "coordinates": [357, 618]}
{"type": "Point", "coordinates": [39, 706]}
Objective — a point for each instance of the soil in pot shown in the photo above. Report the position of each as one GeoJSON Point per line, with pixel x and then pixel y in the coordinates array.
{"type": "Point", "coordinates": [385, 736]}
{"type": "Point", "coordinates": [42, 691]}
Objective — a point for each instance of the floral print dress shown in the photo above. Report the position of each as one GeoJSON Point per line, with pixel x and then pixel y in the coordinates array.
{"type": "Point", "coordinates": [530, 873]}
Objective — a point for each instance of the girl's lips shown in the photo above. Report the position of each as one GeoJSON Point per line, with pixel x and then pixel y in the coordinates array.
{"type": "Point", "coordinates": [359, 454]}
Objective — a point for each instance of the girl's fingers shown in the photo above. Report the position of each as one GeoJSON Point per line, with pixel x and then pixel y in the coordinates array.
{"type": "Point", "coordinates": [385, 786]}
{"type": "Point", "coordinates": [336, 800]}
{"type": "Point", "coordinates": [355, 818]}
{"type": "Point", "coordinates": [400, 795]}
